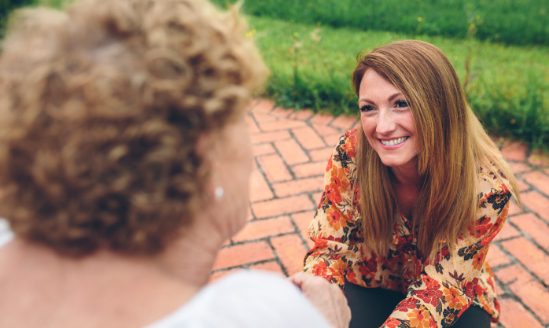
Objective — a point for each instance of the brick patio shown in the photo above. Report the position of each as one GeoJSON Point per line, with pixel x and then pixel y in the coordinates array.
{"type": "Point", "coordinates": [291, 150]}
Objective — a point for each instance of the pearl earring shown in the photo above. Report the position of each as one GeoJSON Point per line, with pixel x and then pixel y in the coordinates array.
{"type": "Point", "coordinates": [219, 192]}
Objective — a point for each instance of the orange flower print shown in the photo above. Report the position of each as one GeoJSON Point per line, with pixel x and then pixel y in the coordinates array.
{"type": "Point", "coordinates": [320, 269]}
{"type": "Point", "coordinates": [431, 296]}
{"type": "Point", "coordinates": [483, 300]}
{"type": "Point", "coordinates": [443, 254]}
{"type": "Point", "coordinates": [473, 289]}
{"type": "Point", "coordinates": [453, 298]}
{"type": "Point", "coordinates": [329, 165]}
{"type": "Point", "coordinates": [421, 319]}
{"type": "Point", "coordinates": [407, 304]}
{"type": "Point", "coordinates": [348, 146]}
{"type": "Point", "coordinates": [351, 277]}
{"type": "Point", "coordinates": [368, 267]}
{"type": "Point", "coordinates": [338, 183]}
{"type": "Point", "coordinates": [319, 247]}
{"type": "Point", "coordinates": [490, 279]}
{"type": "Point", "coordinates": [481, 227]}
{"type": "Point", "coordinates": [430, 283]}
{"type": "Point", "coordinates": [337, 270]}
{"type": "Point", "coordinates": [335, 219]}
{"type": "Point", "coordinates": [478, 259]}
{"type": "Point", "coordinates": [392, 323]}
{"type": "Point", "coordinates": [331, 195]}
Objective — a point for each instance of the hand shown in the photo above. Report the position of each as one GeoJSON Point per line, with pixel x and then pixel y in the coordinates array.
{"type": "Point", "coordinates": [326, 297]}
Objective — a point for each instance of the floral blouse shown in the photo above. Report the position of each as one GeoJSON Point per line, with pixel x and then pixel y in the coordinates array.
{"type": "Point", "coordinates": [437, 292]}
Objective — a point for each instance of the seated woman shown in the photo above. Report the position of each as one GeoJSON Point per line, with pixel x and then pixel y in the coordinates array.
{"type": "Point", "coordinates": [124, 166]}
{"type": "Point", "coordinates": [413, 199]}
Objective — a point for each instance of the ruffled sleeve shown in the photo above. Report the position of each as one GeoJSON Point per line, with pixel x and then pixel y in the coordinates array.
{"type": "Point", "coordinates": [335, 230]}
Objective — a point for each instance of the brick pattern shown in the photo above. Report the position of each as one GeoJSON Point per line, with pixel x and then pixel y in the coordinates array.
{"type": "Point", "coordinates": [291, 150]}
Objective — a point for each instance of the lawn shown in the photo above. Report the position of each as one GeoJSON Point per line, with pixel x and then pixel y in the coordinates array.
{"type": "Point", "coordinates": [507, 21]}
{"type": "Point", "coordinates": [311, 65]}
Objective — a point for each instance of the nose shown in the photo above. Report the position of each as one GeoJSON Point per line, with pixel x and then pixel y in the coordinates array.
{"type": "Point", "coordinates": [385, 123]}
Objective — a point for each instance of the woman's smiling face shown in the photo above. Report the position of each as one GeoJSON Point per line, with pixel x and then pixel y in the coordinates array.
{"type": "Point", "coordinates": [387, 122]}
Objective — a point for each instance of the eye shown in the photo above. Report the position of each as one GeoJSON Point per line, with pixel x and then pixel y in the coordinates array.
{"type": "Point", "coordinates": [401, 104]}
{"type": "Point", "coordinates": [366, 108]}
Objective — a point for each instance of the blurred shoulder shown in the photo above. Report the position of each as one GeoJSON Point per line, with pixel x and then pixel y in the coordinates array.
{"type": "Point", "coordinates": [254, 277]}
{"type": "Point", "coordinates": [493, 187]}
{"type": "Point", "coordinates": [247, 299]}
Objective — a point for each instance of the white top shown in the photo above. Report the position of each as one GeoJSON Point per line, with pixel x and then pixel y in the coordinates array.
{"type": "Point", "coordinates": [240, 300]}
{"type": "Point", "coordinates": [5, 232]}
{"type": "Point", "coordinates": [247, 299]}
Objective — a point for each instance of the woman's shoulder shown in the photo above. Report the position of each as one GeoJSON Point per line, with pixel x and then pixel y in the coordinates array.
{"type": "Point", "coordinates": [249, 279]}
{"type": "Point", "coordinates": [493, 187]}
{"type": "Point", "coordinates": [246, 299]}
{"type": "Point", "coordinates": [349, 140]}
{"type": "Point", "coordinates": [347, 147]}
{"type": "Point", "coordinates": [491, 179]}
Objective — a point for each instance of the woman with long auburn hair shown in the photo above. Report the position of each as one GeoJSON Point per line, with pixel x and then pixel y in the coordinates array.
{"type": "Point", "coordinates": [413, 199]}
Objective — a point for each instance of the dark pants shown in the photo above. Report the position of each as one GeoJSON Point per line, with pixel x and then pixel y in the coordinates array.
{"type": "Point", "coordinates": [370, 307]}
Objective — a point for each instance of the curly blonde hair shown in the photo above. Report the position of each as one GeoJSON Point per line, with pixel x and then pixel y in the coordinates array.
{"type": "Point", "coordinates": [102, 107]}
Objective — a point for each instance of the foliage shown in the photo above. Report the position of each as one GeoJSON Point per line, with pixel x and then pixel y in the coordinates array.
{"type": "Point", "coordinates": [507, 21]}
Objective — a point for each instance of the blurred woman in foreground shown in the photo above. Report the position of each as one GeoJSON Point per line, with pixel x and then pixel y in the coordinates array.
{"type": "Point", "coordinates": [124, 166]}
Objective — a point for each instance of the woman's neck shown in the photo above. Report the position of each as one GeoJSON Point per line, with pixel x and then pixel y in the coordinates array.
{"type": "Point", "coordinates": [407, 176]}
{"type": "Point", "coordinates": [407, 184]}
{"type": "Point", "coordinates": [106, 286]}
{"type": "Point", "coordinates": [192, 256]}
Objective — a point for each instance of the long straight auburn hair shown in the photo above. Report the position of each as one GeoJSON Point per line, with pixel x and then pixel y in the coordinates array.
{"type": "Point", "coordinates": [453, 146]}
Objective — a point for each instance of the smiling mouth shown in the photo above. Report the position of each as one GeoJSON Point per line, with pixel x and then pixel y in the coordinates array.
{"type": "Point", "coordinates": [393, 142]}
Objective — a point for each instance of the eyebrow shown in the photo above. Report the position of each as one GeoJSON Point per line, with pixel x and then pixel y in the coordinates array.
{"type": "Point", "coordinates": [393, 96]}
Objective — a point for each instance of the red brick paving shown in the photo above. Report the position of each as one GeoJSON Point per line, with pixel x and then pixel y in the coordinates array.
{"type": "Point", "coordinates": [274, 168]}
{"type": "Point", "coordinates": [291, 150]}
{"type": "Point", "coordinates": [267, 266]}
{"type": "Point", "coordinates": [260, 186]}
{"type": "Point", "coordinates": [534, 227]}
{"type": "Point", "coordinates": [321, 154]}
{"type": "Point", "coordinates": [260, 229]}
{"type": "Point", "coordinates": [291, 250]}
{"type": "Point", "coordinates": [309, 169]}
{"type": "Point", "coordinates": [236, 255]}
{"type": "Point", "coordinates": [515, 209]}
{"type": "Point", "coordinates": [538, 180]}
{"type": "Point", "coordinates": [515, 151]}
{"type": "Point", "coordinates": [529, 255]}
{"type": "Point", "coordinates": [537, 203]}
{"type": "Point", "coordinates": [496, 257]}
{"type": "Point", "coordinates": [513, 314]}
{"type": "Point", "coordinates": [538, 159]}
{"type": "Point", "coordinates": [508, 231]}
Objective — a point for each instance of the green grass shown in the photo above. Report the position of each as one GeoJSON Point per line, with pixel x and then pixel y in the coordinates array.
{"type": "Point", "coordinates": [53, 3]}
{"type": "Point", "coordinates": [507, 21]}
{"type": "Point", "coordinates": [508, 86]}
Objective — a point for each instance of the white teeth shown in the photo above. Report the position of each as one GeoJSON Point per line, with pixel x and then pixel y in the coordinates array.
{"type": "Point", "coordinates": [394, 142]}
